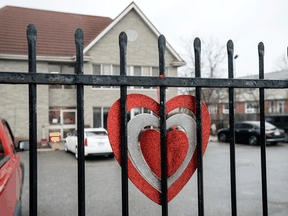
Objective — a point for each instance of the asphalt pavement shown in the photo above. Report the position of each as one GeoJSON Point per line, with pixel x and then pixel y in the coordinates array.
{"type": "Point", "coordinates": [57, 184]}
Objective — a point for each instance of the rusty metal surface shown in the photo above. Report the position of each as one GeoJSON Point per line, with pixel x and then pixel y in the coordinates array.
{"type": "Point", "coordinates": [104, 80]}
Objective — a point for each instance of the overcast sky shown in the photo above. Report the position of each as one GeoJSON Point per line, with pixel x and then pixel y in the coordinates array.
{"type": "Point", "coordinates": [246, 22]}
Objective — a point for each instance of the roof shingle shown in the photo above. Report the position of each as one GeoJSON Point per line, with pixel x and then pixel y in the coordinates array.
{"type": "Point", "coordinates": [55, 30]}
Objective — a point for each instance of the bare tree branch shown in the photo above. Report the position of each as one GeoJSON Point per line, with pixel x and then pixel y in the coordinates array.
{"type": "Point", "coordinates": [282, 62]}
{"type": "Point", "coordinates": [212, 65]}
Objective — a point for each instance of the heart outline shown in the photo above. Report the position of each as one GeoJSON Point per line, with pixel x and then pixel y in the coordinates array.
{"type": "Point", "coordinates": [139, 100]}
{"type": "Point", "coordinates": [136, 156]}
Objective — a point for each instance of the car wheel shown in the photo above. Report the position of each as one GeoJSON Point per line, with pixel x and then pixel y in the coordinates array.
{"type": "Point", "coordinates": [222, 137]}
{"type": "Point", "coordinates": [76, 153]}
{"type": "Point", "coordinates": [274, 143]}
{"type": "Point", "coordinates": [252, 140]}
{"type": "Point", "coordinates": [65, 147]}
{"type": "Point", "coordinates": [111, 155]}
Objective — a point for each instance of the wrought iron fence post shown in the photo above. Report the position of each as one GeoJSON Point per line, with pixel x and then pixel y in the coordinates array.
{"type": "Point", "coordinates": [79, 40]}
{"type": "Point", "coordinates": [197, 51]}
{"type": "Point", "coordinates": [123, 106]}
{"type": "Point", "coordinates": [262, 131]}
{"type": "Point", "coordinates": [164, 194]}
{"type": "Point", "coordinates": [31, 32]}
{"type": "Point", "coordinates": [230, 50]}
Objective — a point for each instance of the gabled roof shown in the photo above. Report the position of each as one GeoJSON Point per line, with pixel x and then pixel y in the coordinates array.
{"type": "Point", "coordinates": [55, 30]}
{"type": "Point", "coordinates": [178, 60]}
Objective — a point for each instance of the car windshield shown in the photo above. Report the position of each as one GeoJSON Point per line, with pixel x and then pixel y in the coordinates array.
{"type": "Point", "coordinates": [268, 126]}
{"type": "Point", "coordinates": [96, 133]}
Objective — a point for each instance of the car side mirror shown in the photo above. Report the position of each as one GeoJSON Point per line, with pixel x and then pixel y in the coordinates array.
{"type": "Point", "coordinates": [69, 134]}
{"type": "Point", "coordinates": [23, 145]}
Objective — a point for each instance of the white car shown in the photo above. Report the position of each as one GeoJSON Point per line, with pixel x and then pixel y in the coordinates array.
{"type": "Point", "coordinates": [96, 142]}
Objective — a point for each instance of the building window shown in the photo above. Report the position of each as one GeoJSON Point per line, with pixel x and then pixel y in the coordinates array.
{"type": "Point", "coordinates": [61, 69]}
{"type": "Point", "coordinates": [137, 72]}
{"type": "Point", "coordinates": [280, 106]}
{"type": "Point", "coordinates": [213, 109]}
{"type": "Point", "coordinates": [131, 71]}
{"type": "Point", "coordinates": [62, 116]}
{"type": "Point", "coordinates": [272, 107]}
{"type": "Point", "coordinates": [100, 115]}
{"type": "Point", "coordinates": [225, 108]}
{"type": "Point", "coordinates": [106, 70]}
{"type": "Point", "coordinates": [251, 107]}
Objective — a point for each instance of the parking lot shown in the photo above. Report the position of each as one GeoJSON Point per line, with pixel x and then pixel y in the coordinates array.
{"type": "Point", "coordinates": [57, 184]}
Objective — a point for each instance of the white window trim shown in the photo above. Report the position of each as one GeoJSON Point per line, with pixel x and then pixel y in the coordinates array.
{"type": "Point", "coordinates": [270, 107]}
{"type": "Point", "coordinates": [131, 70]}
{"type": "Point", "coordinates": [57, 72]}
{"type": "Point", "coordinates": [278, 105]}
{"type": "Point", "coordinates": [101, 113]}
{"type": "Point", "coordinates": [213, 109]}
{"type": "Point", "coordinates": [250, 110]}
{"type": "Point", "coordinates": [225, 111]}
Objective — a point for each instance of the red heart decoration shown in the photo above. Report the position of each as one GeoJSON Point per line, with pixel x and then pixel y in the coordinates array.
{"type": "Point", "coordinates": [177, 147]}
{"type": "Point", "coordinates": [138, 100]}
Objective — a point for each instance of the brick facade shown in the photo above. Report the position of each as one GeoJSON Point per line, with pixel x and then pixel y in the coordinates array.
{"type": "Point", "coordinates": [15, 105]}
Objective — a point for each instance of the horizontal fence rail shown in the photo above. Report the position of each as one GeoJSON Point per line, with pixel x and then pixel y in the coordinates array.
{"type": "Point", "coordinates": [33, 79]}
{"type": "Point", "coordinates": [113, 80]}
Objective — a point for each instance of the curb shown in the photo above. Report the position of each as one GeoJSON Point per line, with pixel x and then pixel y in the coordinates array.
{"type": "Point", "coordinates": [213, 138]}
{"type": "Point", "coordinates": [53, 147]}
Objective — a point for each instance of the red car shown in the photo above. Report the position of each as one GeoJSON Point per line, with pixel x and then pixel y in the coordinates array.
{"type": "Point", "coordinates": [11, 173]}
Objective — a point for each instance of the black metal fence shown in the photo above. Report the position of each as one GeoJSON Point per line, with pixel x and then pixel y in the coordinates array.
{"type": "Point", "coordinates": [33, 79]}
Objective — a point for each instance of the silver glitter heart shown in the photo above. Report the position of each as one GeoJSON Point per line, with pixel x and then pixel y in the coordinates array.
{"type": "Point", "coordinates": [137, 124]}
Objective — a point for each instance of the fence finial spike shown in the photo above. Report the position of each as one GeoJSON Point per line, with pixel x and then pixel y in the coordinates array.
{"type": "Point", "coordinates": [79, 35]}
{"type": "Point", "coordinates": [230, 47]}
{"type": "Point", "coordinates": [197, 44]}
{"type": "Point", "coordinates": [261, 48]}
{"type": "Point", "coordinates": [31, 32]}
{"type": "Point", "coordinates": [123, 38]}
{"type": "Point", "coordinates": [161, 42]}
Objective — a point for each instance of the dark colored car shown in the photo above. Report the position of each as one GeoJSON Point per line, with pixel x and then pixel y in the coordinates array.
{"type": "Point", "coordinates": [249, 132]}
{"type": "Point", "coordinates": [280, 121]}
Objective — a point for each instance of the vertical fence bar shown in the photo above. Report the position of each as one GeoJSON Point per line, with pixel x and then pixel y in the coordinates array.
{"type": "Point", "coordinates": [262, 131]}
{"type": "Point", "coordinates": [31, 32]}
{"type": "Point", "coordinates": [79, 40]}
{"type": "Point", "coordinates": [230, 50]}
{"type": "Point", "coordinates": [164, 195]}
{"type": "Point", "coordinates": [123, 106]}
{"type": "Point", "coordinates": [197, 51]}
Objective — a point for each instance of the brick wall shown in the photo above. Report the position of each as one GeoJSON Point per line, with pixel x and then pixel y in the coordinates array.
{"type": "Point", "coordinates": [15, 105]}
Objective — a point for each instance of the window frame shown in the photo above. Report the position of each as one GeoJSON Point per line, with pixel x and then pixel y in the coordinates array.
{"type": "Point", "coordinates": [131, 73]}
{"type": "Point", "coordinates": [252, 109]}
{"type": "Point", "coordinates": [213, 108]}
{"type": "Point", "coordinates": [272, 106]}
{"type": "Point", "coordinates": [278, 106]}
{"type": "Point", "coordinates": [225, 110]}
{"type": "Point", "coordinates": [60, 72]}
{"type": "Point", "coordinates": [102, 125]}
